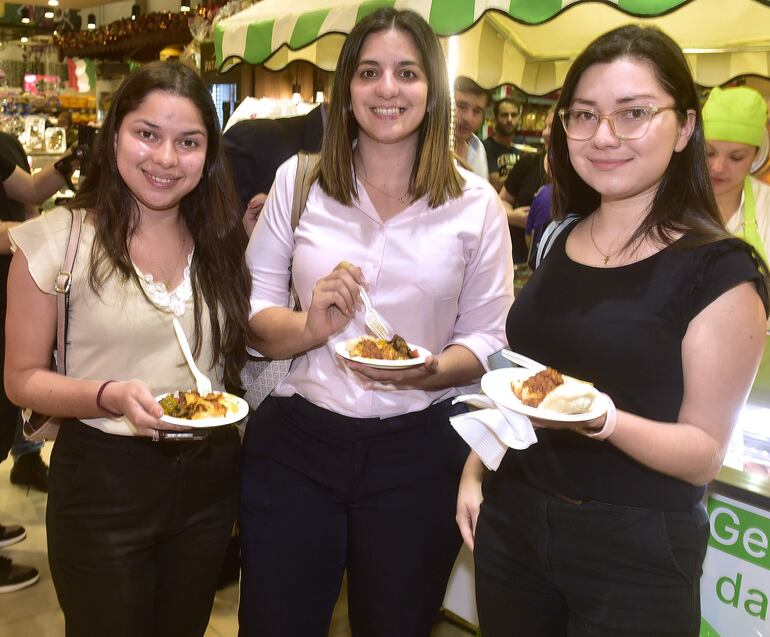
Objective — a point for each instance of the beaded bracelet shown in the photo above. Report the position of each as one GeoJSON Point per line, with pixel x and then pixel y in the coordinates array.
{"type": "Point", "coordinates": [610, 422]}
{"type": "Point", "coordinates": [99, 399]}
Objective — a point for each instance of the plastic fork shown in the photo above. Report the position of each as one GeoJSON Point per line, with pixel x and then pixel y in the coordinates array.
{"type": "Point", "coordinates": [202, 382]}
{"type": "Point", "coordinates": [523, 361]}
{"type": "Point", "coordinates": [374, 321]}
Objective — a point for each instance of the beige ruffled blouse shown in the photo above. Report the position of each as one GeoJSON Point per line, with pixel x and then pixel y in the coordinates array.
{"type": "Point", "coordinates": [117, 335]}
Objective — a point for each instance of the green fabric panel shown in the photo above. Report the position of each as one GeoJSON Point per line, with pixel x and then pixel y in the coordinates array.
{"type": "Point", "coordinates": [91, 72]}
{"type": "Point", "coordinates": [451, 16]}
{"type": "Point", "coordinates": [307, 28]}
{"type": "Point", "coordinates": [259, 42]}
{"type": "Point", "coordinates": [534, 12]}
{"type": "Point", "coordinates": [218, 44]}
{"type": "Point", "coordinates": [648, 7]}
{"type": "Point", "coordinates": [368, 6]}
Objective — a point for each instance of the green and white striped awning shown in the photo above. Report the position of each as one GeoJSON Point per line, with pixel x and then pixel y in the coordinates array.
{"type": "Point", "coordinates": [529, 43]}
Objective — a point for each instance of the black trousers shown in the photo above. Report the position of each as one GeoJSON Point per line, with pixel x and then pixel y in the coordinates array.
{"type": "Point", "coordinates": [547, 567]}
{"type": "Point", "coordinates": [137, 530]}
{"type": "Point", "coordinates": [322, 493]}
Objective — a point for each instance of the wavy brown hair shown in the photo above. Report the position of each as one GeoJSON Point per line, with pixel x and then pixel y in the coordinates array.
{"type": "Point", "coordinates": [433, 172]}
{"type": "Point", "coordinates": [211, 213]}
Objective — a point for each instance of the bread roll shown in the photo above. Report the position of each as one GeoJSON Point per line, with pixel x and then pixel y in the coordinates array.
{"type": "Point", "coordinates": [570, 398]}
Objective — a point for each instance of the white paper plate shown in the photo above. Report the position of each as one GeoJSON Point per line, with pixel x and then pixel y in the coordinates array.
{"type": "Point", "coordinates": [342, 350]}
{"type": "Point", "coordinates": [242, 411]}
{"type": "Point", "coordinates": [497, 385]}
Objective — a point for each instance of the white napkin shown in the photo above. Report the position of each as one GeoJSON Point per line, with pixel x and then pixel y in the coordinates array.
{"type": "Point", "coordinates": [490, 431]}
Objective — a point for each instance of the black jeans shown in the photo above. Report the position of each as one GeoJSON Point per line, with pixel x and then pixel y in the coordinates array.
{"type": "Point", "coordinates": [137, 530]}
{"type": "Point", "coordinates": [548, 567]}
{"type": "Point", "coordinates": [322, 493]}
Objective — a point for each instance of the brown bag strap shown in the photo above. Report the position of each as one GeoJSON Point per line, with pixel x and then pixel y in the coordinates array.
{"type": "Point", "coordinates": [62, 288]}
{"type": "Point", "coordinates": [306, 173]}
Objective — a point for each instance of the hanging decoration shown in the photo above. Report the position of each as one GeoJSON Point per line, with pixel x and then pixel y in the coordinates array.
{"type": "Point", "coordinates": [200, 29]}
{"type": "Point", "coordinates": [81, 75]}
{"type": "Point", "coordinates": [140, 39]}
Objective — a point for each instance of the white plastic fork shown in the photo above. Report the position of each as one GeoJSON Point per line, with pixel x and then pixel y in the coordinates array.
{"type": "Point", "coordinates": [523, 361]}
{"type": "Point", "coordinates": [202, 382]}
{"type": "Point", "coordinates": [374, 321]}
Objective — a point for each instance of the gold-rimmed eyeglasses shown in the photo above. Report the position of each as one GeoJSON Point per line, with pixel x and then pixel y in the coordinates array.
{"type": "Point", "coordinates": [631, 122]}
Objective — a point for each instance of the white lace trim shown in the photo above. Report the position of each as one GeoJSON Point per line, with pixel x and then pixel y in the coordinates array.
{"type": "Point", "coordinates": [174, 301]}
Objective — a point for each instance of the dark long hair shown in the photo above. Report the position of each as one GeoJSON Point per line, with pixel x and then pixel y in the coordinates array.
{"type": "Point", "coordinates": [211, 213]}
{"type": "Point", "coordinates": [433, 171]}
{"type": "Point", "coordinates": [684, 201]}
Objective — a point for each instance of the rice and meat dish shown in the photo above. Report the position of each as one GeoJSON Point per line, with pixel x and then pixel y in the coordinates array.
{"type": "Point", "coordinates": [378, 348]}
{"type": "Point", "coordinates": [190, 405]}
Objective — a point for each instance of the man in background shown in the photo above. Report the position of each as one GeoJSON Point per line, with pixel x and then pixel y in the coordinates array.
{"type": "Point", "coordinates": [470, 103]}
{"type": "Point", "coordinates": [502, 155]}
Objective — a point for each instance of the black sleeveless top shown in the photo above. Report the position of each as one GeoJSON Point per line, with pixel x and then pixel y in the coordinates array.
{"type": "Point", "coordinates": [622, 329]}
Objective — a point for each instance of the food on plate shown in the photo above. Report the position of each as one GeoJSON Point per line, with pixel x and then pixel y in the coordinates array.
{"type": "Point", "coordinates": [534, 389]}
{"type": "Point", "coordinates": [396, 349]}
{"type": "Point", "coordinates": [190, 405]}
{"type": "Point", "coordinates": [549, 389]}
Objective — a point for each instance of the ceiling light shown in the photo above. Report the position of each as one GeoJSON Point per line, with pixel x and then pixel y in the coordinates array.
{"type": "Point", "coordinates": [53, 3]}
{"type": "Point", "coordinates": [48, 15]}
{"type": "Point", "coordinates": [25, 16]}
{"type": "Point", "coordinates": [91, 21]}
{"type": "Point", "coordinates": [185, 6]}
{"type": "Point", "coordinates": [135, 12]}
{"type": "Point", "coordinates": [24, 39]}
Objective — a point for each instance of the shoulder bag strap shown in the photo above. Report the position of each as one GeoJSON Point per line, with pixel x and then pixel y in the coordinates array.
{"type": "Point", "coordinates": [552, 232]}
{"type": "Point", "coordinates": [306, 173]}
{"type": "Point", "coordinates": [306, 169]}
{"type": "Point", "coordinates": [62, 288]}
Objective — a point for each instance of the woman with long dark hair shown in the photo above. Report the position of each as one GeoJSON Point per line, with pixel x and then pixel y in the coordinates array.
{"type": "Point", "coordinates": [347, 467]}
{"type": "Point", "coordinates": [137, 529]}
{"type": "Point", "coordinates": [599, 528]}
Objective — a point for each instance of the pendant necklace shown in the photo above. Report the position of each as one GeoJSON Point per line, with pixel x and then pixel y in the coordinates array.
{"type": "Point", "coordinates": [403, 199]}
{"type": "Point", "coordinates": [605, 256]}
{"type": "Point", "coordinates": [166, 280]}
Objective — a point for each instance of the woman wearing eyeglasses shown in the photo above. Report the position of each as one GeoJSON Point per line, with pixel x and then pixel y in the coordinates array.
{"type": "Point", "coordinates": [598, 529]}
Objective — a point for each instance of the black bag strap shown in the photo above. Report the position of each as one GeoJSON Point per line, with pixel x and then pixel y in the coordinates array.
{"type": "Point", "coordinates": [62, 289]}
{"type": "Point", "coordinates": [552, 232]}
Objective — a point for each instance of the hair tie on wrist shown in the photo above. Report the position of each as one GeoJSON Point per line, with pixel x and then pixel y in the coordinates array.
{"type": "Point", "coordinates": [99, 399]}
{"type": "Point", "coordinates": [65, 167]}
{"type": "Point", "coordinates": [610, 422]}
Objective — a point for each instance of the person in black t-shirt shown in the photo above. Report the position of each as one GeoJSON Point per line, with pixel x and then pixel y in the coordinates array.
{"type": "Point", "coordinates": [502, 155]}
{"type": "Point", "coordinates": [599, 528]}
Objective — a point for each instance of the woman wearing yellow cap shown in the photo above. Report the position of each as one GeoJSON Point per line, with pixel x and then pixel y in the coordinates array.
{"type": "Point", "coordinates": [735, 121]}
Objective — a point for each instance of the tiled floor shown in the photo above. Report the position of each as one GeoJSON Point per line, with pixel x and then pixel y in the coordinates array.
{"type": "Point", "coordinates": [34, 611]}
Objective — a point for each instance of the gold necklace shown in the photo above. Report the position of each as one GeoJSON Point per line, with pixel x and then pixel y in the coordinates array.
{"type": "Point", "coordinates": [606, 256]}
{"type": "Point", "coordinates": [402, 199]}
{"type": "Point", "coordinates": [166, 279]}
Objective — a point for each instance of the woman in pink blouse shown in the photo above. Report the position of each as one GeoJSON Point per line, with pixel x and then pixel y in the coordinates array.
{"type": "Point", "coordinates": [347, 467]}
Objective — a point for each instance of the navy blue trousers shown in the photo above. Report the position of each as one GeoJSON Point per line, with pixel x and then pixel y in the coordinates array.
{"type": "Point", "coordinates": [322, 493]}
